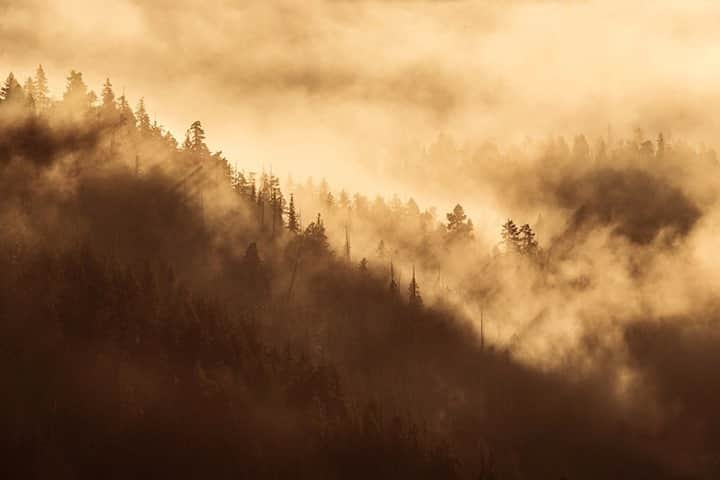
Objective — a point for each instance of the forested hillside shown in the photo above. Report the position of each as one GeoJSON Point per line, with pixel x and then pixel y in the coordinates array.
{"type": "Point", "coordinates": [165, 312]}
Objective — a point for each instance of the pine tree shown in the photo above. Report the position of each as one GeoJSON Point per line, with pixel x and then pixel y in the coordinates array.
{"type": "Point", "coordinates": [109, 108]}
{"type": "Point", "coordinates": [414, 291]}
{"type": "Point", "coordinates": [127, 117]}
{"type": "Point", "coordinates": [293, 224]}
{"type": "Point", "coordinates": [510, 236]}
{"type": "Point", "coordinates": [526, 240]}
{"type": "Point", "coordinates": [195, 139]}
{"type": "Point", "coordinates": [347, 245]}
{"type": "Point", "coordinates": [459, 227]}
{"type": "Point", "coordinates": [76, 94]}
{"type": "Point", "coordinates": [315, 237]}
{"type": "Point", "coordinates": [29, 88]}
{"type": "Point", "coordinates": [142, 118]}
{"type": "Point", "coordinates": [11, 93]}
{"type": "Point", "coordinates": [363, 266]}
{"type": "Point", "coordinates": [41, 91]}
{"type": "Point", "coordinates": [170, 141]}
{"type": "Point", "coordinates": [393, 283]}
{"type": "Point", "coordinates": [344, 201]}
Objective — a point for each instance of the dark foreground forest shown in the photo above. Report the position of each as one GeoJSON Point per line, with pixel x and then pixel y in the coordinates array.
{"type": "Point", "coordinates": [166, 315]}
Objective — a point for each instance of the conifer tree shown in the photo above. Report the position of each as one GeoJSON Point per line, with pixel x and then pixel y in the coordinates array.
{"type": "Point", "coordinates": [344, 201]}
{"type": "Point", "coordinates": [459, 227]}
{"type": "Point", "coordinates": [526, 239]}
{"type": "Point", "coordinates": [11, 93]}
{"type": "Point", "coordinates": [414, 291]}
{"type": "Point", "coordinates": [142, 118]}
{"type": "Point", "coordinates": [41, 91]}
{"type": "Point", "coordinates": [293, 224]}
{"type": "Point", "coordinates": [393, 283]}
{"type": "Point", "coordinates": [510, 236]}
{"type": "Point", "coordinates": [195, 139]}
{"type": "Point", "coordinates": [315, 237]}
{"type": "Point", "coordinates": [347, 245]}
{"type": "Point", "coordinates": [29, 88]}
{"type": "Point", "coordinates": [127, 117]}
{"type": "Point", "coordinates": [109, 108]}
{"type": "Point", "coordinates": [76, 94]}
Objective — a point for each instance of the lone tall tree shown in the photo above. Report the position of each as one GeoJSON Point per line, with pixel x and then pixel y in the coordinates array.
{"type": "Point", "coordinates": [127, 117]}
{"type": "Point", "coordinates": [76, 94]}
{"type": "Point", "coordinates": [293, 224]}
{"type": "Point", "coordinates": [526, 239]}
{"type": "Point", "coordinates": [142, 118]}
{"type": "Point", "coordinates": [109, 108]}
{"type": "Point", "coordinates": [42, 92]}
{"type": "Point", "coordinates": [393, 283]}
{"type": "Point", "coordinates": [510, 236]}
{"type": "Point", "coordinates": [414, 291]}
{"type": "Point", "coordinates": [195, 139]}
{"type": "Point", "coordinates": [459, 227]}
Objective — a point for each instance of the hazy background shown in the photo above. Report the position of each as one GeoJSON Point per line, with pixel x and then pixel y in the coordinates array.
{"type": "Point", "coordinates": [321, 87]}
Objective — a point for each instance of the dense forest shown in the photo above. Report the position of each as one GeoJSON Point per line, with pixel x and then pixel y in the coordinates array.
{"type": "Point", "coordinates": [166, 313]}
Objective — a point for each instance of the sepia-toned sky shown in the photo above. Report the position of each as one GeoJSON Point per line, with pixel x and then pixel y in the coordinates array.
{"type": "Point", "coordinates": [319, 87]}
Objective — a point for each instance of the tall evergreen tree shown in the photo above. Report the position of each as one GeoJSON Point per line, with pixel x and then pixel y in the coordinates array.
{"type": "Point", "coordinates": [127, 117]}
{"type": "Point", "coordinates": [315, 237]}
{"type": "Point", "coordinates": [76, 94]}
{"type": "Point", "coordinates": [42, 91]}
{"type": "Point", "coordinates": [510, 236]}
{"type": "Point", "coordinates": [526, 239]}
{"type": "Point", "coordinates": [195, 139]}
{"type": "Point", "coordinates": [393, 283]}
{"type": "Point", "coordinates": [414, 291]}
{"type": "Point", "coordinates": [459, 227]}
{"type": "Point", "coordinates": [11, 93]}
{"type": "Point", "coordinates": [293, 224]}
{"type": "Point", "coordinates": [29, 88]}
{"type": "Point", "coordinates": [109, 107]}
{"type": "Point", "coordinates": [142, 118]}
{"type": "Point", "coordinates": [347, 245]}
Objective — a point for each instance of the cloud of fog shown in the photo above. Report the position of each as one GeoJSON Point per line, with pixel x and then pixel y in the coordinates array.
{"type": "Point", "coordinates": [324, 87]}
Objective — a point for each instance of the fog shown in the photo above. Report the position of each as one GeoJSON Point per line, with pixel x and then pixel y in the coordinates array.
{"type": "Point", "coordinates": [591, 122]}
{"type": "Point", "coordinates": [329, 88]}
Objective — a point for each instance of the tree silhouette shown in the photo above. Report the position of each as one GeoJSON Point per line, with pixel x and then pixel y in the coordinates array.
{"type": "Point", "coordinates": [315, 238]}
{"type": "Point", "coordinates": [41, 91]}
{"type": "Point", "coordinates": [195, 139]}
{"type": "Point", "coordinates": [108, 106]}
{"type": "Point", "coordinates": [459, 227]}
{"type": "Point", "coordinates": [510, 236]}
{"type": "Point", "coordinates": [393, 284]}
{"type": "Point", "coordinates": [127, 117]}
{"type": "Point", "coordinates": [142, 118]}
{"type": "Point", "coordinates": [414, 291]}
{"type": "Point", "coordinates": [11, 93]}
{"type": "Point", "coordinates": [526, 240]}
{"type": "Point", "coordinates": [76, 96]}
{"type": "Point", "coordinates": [292, 224]}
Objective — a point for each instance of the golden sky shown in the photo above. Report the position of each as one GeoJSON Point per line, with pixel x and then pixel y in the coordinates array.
{"type": "Point", "coordinates": [318, 87]}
